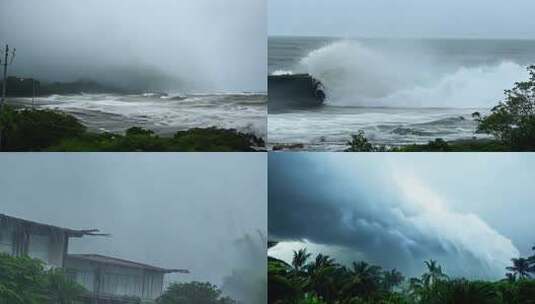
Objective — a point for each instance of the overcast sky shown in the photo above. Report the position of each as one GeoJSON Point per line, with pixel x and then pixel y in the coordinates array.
{"type": "Point", "coordinates": [206, 44]}
{"type": "Point", "coordinates": [200, 211]}
{"type": "Point", "coordinates": [409, 18]}
{"type": "Point", "coordinates": [472, 213]}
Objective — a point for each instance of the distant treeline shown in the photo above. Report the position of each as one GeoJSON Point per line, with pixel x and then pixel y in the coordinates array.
{"type": "Point", "coordinates": [28, 87]}
{"type": "Point", "coordinates": [323, 281]}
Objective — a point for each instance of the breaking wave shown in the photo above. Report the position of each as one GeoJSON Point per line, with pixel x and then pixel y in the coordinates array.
{"type": "Point", "coordinates": [355, 75]}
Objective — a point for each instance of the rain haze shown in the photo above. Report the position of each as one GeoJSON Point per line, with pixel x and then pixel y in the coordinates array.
{"type": "Point", "coordinates": [403, 19]}
{"type": "Point", "coordinates": [471, 213]}
{"type": "Point", "coordinates": [202, 45]}
{"type": "Point", "coordinates": [202, 212]}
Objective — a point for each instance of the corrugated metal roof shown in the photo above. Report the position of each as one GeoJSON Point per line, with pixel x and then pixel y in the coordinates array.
{"type": "Point", "coordinates": [31, 224]}
{"type": "Point", "coordinates": [96, 258]}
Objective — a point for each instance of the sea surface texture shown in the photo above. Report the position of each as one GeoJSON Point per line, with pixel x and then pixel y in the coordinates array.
{"type": "Point", "coordinates": [398, 91]}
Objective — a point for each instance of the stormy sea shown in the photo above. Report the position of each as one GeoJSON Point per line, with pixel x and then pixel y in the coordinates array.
{"type": "Point", "coordinates": [162, 113]}
{"type": "Point", "coordinates": [398, 91]}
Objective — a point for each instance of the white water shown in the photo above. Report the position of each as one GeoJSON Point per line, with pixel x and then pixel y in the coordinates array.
{"type": "Point", "coordinates": [162, 114]}
{"type": "Point", "coordinates": [355, 75]}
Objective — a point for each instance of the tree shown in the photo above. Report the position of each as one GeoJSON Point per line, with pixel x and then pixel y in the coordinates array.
{"type": "Point", "coordinates": [392, 279]}
{"type": "Point", "coordinates": [364, 280]}
{"type": "Point", "coordinates": [194, 293]}
{"type": "Point", "coordinates": [24, 281]}
{"type": "Point", "coordinates": [521, 267]}
{"type": "Point", "coordinates": [513, 120]}
{"type": "Point", "coordinates": [531, 261]}
{"type": "Point", "coordinates": [300, 258]}
{"type": "Point", "coordinates": [60, 289]}
{"type": "Point", "coordinates": [359, 143]}
{"type": "Point", "coordinates": [434, 273]}
{"type": "Point", "coordinates": [21, 280]}
{"type": "Point", "coordinates": [463, 291]}
{"type": "Point", "coordinates": [322, 276]}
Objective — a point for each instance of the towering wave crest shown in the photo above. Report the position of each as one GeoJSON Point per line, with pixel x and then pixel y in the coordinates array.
{"type": "Point", "coordinates": [355, 75]}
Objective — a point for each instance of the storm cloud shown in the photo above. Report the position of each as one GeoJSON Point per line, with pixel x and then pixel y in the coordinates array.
{"type": "Point", "coordinates": [409, 18]}
{"type": "Point", "coordinates": [200, 211]}
{"type": "Point", "coordinates": [398, 211]}
{"type": "Point", "coordinates": [200, 46]}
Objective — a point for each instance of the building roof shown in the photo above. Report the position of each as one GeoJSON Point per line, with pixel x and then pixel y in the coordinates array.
{"type": "Point", "coordinates": [101, 259]}
{"type": "Point", "coordinates": [39, 226]}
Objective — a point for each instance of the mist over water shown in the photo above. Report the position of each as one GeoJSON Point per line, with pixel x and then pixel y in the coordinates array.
{"type": "Point", "coordinates": [173, 46]}
{"type": "Point", "coordinates": [357, 75]}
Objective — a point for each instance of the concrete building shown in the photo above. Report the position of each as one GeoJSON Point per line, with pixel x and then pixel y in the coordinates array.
{"type": "Point", "coordinates": [108, 280]}
{"type": "Point", "coordinates": [48, 243]}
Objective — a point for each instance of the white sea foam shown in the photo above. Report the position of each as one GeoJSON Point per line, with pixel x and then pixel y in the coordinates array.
{"type": "Point", "coordinates": [361, 76]}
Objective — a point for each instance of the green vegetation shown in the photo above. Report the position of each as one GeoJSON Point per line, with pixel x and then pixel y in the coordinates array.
{"type": "Point", "coordinates": [323, 281]}
{"type": "Point", "coordinates": [25, 281]}
{"type": "Point", "coordinates": [511, 124]}
{"type": "Point", "coordinates": [47, 130]}
{"type": "Point", "coordinates": [194, 293]}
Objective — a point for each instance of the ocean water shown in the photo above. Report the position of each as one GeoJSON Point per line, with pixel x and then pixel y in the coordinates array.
{"type": "Point", "coordinates": [161, 113]}
{"type": "Point", "coordinates": [398, 91]}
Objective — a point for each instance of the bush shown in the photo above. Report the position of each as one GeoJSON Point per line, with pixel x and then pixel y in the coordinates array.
{"type": "Point", "coordinates": [194, 293]}
{"type": "Point", "coordinates": [46, 130]}
{"type": "Point", "coordinates": [513, 120]}
{"type": "Point", "coordinates": [34, 130]}
{"type": "Point", "coordinates": [215, 139]}
{"type": "Point", "coordinates": [24, 281]}
{"type": "Point", "coordinates": [359, 143]}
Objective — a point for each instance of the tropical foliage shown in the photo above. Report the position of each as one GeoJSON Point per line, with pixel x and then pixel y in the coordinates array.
{"type": "Point", "coordinates": [321, 280]}
{"type": "Point", "coordinates": [46, 130]}
{"type": "Point", "coordinates": [513, 120]}
{"type": "Point", "coordinates": [25, 281]}
{"type": "Point", "coordinates": [194, 293]}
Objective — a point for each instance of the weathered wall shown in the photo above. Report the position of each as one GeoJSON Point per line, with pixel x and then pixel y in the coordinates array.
{"type": "Point", "coordinates": [109, 280]}
{"type": "Point", "coordinates": [46, 244]}
{"type": "Point", "coordinates": [6, 239]}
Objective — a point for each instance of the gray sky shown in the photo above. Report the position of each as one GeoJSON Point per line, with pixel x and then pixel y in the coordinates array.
{"type": "Point", "coordinates": [409, 18]}
{"type": "Point", "coordinates": [209, 45]}
{"type": "Point", "coordinates": [185, 210]}
{"type": "Point", "coordinates": [470, 212]}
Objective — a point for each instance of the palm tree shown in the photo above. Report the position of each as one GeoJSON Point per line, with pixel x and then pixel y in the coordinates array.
{"type": "Point", "coordinates": [434, 273]}
{"type": "Point", "coordinates": [300, 258]}
{"type": "Point", "coordinates": [322, 277]}
{"type": "Point", "coordinates": [531, 260]}
{"type": "Point", "coordinates": [521, 267]}
{"type": "Point", "coordinates": [392, 279]}
{"type": "Point", "coordinates": [416, 289]}
{"type": "Point", "coordinates": [510, 277]}
{"type": "Point", "coordinates": [362, 280]}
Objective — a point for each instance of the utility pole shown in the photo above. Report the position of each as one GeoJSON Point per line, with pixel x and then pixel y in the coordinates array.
{"type": "Point", "coordinates": [33, 92]}
{"type": "Point", "coordinates": [8, 60]}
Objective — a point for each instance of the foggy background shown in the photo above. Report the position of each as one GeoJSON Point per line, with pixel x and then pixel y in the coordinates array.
{"type": "Point", "coordinates": [177, 46]}
{"type": "Point", "coordinates": [199, 211]}
{"type": "Point", "coordinates": [403, 19]}
{"type": "Point", "coordinates": [472, 213]}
